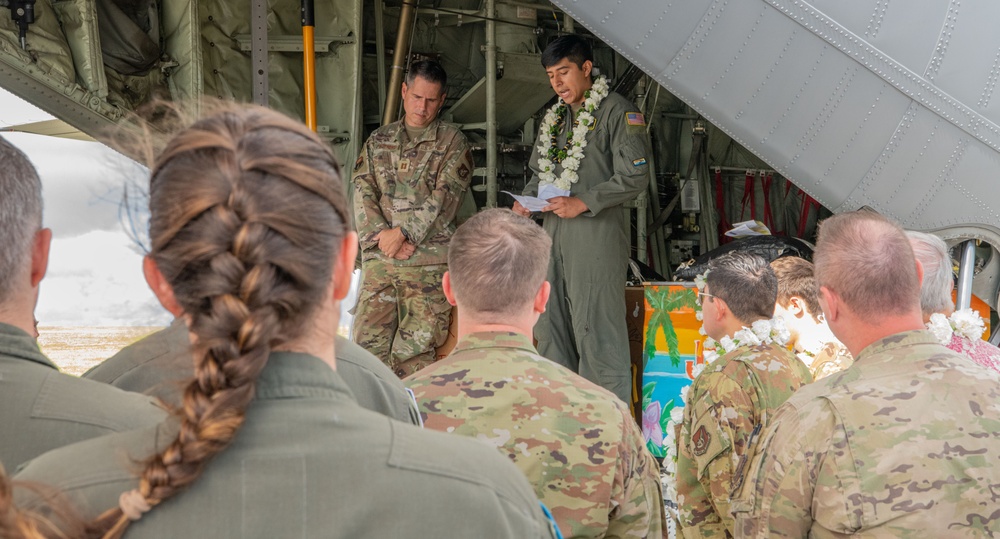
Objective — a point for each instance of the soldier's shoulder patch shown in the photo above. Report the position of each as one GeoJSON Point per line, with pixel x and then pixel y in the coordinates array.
{"type": "Point", "coordinates": [700, 441]}
{"type": "Point", "coordinates": [639, 162]}
{"type": "Point", "coordinates": [463, 171]}
{"type": "Point", "coordinates": [635, 118]}
{"type": "Point", "coordinates": [359, 162]}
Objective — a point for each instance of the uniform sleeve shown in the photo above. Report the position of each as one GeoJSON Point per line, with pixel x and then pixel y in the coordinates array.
{"type": "Point", "coordinates": [636, 489]}
{"type": "Point", "coordinates": [631, 173]}
{"type": "Point", "coordinates": [717, 425]}
{"type": "Point", "coordinates": [367, 210]}
{"type": "Point", "coordinates": [797, 464]}
{"type": "Point", "coordinates": [449, 188]}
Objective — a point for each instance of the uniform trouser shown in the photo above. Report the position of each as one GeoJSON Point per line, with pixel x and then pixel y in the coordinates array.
{"type": "Point", "coordinates": [583, 326]}
{"type": "Point", "coordinates": [402, 315]}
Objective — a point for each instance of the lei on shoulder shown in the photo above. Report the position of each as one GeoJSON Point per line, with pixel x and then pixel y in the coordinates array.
{"type": "Point", "coordinates": [571, 154]}
{"type": "Point", "coordinates": [965, 323]}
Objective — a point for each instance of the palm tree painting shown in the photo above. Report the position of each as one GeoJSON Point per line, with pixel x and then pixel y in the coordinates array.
{"type": "Point", "coordinates": [662, 301]}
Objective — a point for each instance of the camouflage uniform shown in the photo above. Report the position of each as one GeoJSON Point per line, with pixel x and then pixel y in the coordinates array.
{"type": "Point", "coordinates": [831, 359]}
{"type": "Point", "coordinates": [905, 443]}
{"type": "Point", "coordinates": [417, 185]}
{"type": "Point", "coordinates": [574, 440]}
{"type": "Point", "coordinates": [583, 327]}
{"type": "Point", "coordinates": [728, 403]}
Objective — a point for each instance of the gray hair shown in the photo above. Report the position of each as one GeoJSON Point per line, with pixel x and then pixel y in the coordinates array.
{"type": "Point", "coordinates": [935, 289]}
{"type": "Point", "coordinates": [20, 214]}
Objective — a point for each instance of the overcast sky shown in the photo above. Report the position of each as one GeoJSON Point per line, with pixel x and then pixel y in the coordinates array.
{"type": "Point", "coordinates": [95, 268]}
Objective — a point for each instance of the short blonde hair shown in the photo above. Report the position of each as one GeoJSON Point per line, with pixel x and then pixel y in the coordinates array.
{"type": "Point", "coordinates": [796, 278]}
{"type": "Point", "coordinates": [867, 260]}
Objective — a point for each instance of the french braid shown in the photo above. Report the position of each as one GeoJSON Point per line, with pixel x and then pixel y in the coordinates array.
{"type": "Point", "coordinates": [247, 214]}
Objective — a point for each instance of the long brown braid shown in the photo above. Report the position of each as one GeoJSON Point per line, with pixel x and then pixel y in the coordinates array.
{"type": "Point", "coordinates": [248, 212]}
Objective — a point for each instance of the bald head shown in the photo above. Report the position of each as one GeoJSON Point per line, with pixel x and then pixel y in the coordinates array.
{"type": "Point", "coordinates": [867, 261]}
{"type": "Point", "coordinates": [937, 283]}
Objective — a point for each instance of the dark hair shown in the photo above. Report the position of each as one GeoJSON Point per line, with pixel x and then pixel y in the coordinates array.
{"type": "Point", "coordinates": [571, 46]}
{"type": "Point", "coordinates": [796, 278]}
{"type": "Point", "coordinates": [428, 70]}
{"type": "Point", "coordinates": [248, 212]}
{"type": "Point", "coordinates": [746, 283]}
{"type": "Point", "coordinates": [497, 260]}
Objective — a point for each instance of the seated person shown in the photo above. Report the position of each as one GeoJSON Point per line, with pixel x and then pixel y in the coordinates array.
{"type": "Point", "coordinates": [161, 363]}
{"type": "Point", "coordinates": [42, 409]}
{"type": "Point", "coordinates": [251, 246]}
{"type": "Point", "coordinates": [798, 306]}
{"type": "Point", "coordinates": [959, 331]}
{"type": "Point", "coordinates": [575, 441]}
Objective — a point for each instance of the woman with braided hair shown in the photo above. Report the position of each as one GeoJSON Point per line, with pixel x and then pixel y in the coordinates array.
{"type": "Point", "coordinates": [252, 246]}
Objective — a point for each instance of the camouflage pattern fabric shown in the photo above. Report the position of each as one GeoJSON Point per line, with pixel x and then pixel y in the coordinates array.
{"type": "Point", "coordinates": [402, 315]}
{"type": "Point", "coordinates": [728, 404]}
{"type": "Point", "coordinates": [417, 185]}
{"type": "Point", "coordinates": [905, 443]}
{"type": "Point", "coordinates": [575, 441]}
{"type": "Point", "coordinates": [831, 359]}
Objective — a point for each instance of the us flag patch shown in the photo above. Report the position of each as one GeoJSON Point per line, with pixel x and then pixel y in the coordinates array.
{"type": "Point", "coordinates": [635, 118]}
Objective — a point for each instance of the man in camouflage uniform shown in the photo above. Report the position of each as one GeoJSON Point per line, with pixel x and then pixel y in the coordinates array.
{"type": "Point", "coordinates": [905, 442]}
{"type": "Point", "coordinates": [734, 397]}
{"type": "Point", "coordinates": [583, 327]}
{"type": "Point", "coordinates": [575, 441]}
{"type": "Point", "coordinates": [798, 306]}
{"type": "Point", "coordinates": [409, 181]}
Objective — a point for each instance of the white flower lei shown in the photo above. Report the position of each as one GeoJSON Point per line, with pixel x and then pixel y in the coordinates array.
{"type": "Point", "coordinates": [966, 323]}
{"type": "Point", "coordinates": [549, 155]}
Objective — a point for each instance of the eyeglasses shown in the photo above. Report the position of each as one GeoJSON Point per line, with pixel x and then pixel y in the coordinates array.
{"type": "Point", "coordinates": [705, 295]}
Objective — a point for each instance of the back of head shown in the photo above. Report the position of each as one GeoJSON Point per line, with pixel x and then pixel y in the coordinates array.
{"type": "Point", "coordinates": [428, 70]}
{"type": "Point", "coordinates": [497, 260]}
{"type": "Point", "coordinates": [248, 212]}
{"type": "Point", "coordinates": [867, 261]}
{"type": "Point", "coordinates": [20, 215]}
{"type": "Point", "coordinates": [796, 278]}
{"type": "Point", "coordinates": [937, 283]}
{"type": "Point", "coordinates": [570, 46]}
{"type": "Point", "coordinates": [746, 283]}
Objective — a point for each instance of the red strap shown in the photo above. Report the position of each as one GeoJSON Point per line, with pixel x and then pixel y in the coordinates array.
{"type": "Point", "coordinates": [720, 206]}
{"type": "Point", "coordinates": [807, 203]}
{"type": "Point", "coordinates": [749, 195]}
{"type": "Point", "coordinates": [765, 182]}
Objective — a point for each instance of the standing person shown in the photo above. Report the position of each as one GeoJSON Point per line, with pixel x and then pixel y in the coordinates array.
{"type": "Point", "coordinates": [592, 143]}
{"type": "Point", "coordinates": [40, 407]}
{"type": "Point", "coordinates": [798, 306]}
{"type": "Point", "coordinates": [903, 443]}
{"type": "Point", "coordinates": [250, 245]}
{"type": "Point", "coordinates": [960, 331]}
{"type": "Point", "coordinates": [409, 182]}
{"type": "Point", "coordinates": [574, 440]}
{"type": "Point", "coordinates": [161, 363]}
{"type": "Point", "coordinates": [736, 394]}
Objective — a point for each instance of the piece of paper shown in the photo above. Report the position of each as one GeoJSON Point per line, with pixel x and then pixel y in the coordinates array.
{"type": "Point", "coordinates": [545, 192]}
{"type": "Point", "coordinates": [748, 228]}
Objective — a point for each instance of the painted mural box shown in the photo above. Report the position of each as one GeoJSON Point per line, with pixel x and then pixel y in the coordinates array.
{"type": "Point", "coordinates": [672, 346]}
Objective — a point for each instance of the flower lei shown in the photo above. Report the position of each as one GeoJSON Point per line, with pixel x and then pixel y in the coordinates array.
{"type": "Point", "coordinates": [571, 155]}
{"type": "Point", "coordinates": [966, 323]}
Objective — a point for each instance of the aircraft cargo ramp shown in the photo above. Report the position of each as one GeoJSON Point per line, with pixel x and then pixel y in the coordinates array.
{"type": "Point", "coordinates": [879, 103]}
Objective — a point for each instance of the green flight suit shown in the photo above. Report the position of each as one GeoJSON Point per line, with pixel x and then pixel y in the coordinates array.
{"type": "Point", "coordinates": [309, 462]}
{"type": "Point", "coordinates": [417, 185]}
{"type": "Point", "coordinates": [583, 326]}
{"type": "Point", "coordinates": [42, 408]}
{"type": "Point", "coordinates": [161, 363]}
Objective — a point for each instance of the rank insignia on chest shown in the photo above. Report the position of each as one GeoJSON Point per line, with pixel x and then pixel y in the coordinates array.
{"type": "Point", "coordinates": [359, 162]}
{"type": "Point", "coordinates": [404, 165]}
{"type": "Point", "coordinates": [700, 441]}
{"type": "Point", "coordinates": [635, 118]}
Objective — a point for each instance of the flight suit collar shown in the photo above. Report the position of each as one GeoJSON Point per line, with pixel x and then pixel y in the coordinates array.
{"type": "Point", "coordinates": [296, 375]}
{"type": "Point", "coordinates": [429, 134]}
{"type": "Point", "coordinates": [884, 347]}
{"type": "Point", "coordinates": [494, 339]}
{"type": "Point", "coordinates": [16, 343]}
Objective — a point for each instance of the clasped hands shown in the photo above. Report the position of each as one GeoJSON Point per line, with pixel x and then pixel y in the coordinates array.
{"type": "Point", "coordinates": [393, 243]}
{"type": "Point", "coordinates": [565, 207]}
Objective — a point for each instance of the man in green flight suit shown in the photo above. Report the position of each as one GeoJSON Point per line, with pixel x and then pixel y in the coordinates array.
{"type": "Point", "coordinates": [43, 409]}
{"type": "Point", "coordinates": [593, 145]}
{"type": "Point", "coordinates": [409, 182]}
